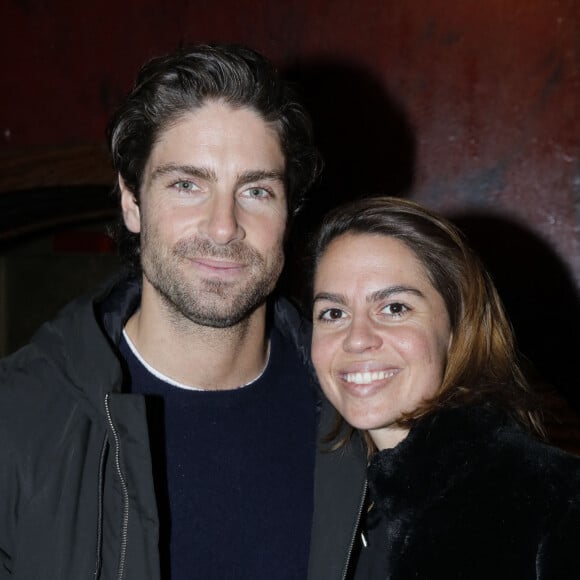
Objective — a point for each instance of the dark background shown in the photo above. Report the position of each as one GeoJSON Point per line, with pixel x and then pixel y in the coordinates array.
{"type": "Point", "coordinates": [471, 108]}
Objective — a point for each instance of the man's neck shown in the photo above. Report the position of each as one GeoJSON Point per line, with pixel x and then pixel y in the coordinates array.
{"type": "Point", "coordinates": [200, 356]}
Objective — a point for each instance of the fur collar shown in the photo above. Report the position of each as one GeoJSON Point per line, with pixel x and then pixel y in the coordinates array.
{"type": "Point", "coordinates": [443, 452]}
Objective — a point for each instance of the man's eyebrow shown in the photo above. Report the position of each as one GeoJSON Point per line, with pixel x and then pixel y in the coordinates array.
{"type": "Point", "coordinates": [210, 175]}
{"type": "Point", "coordinates": [187, 170]}
{"type": "Point", "coordinates": [260, 175]}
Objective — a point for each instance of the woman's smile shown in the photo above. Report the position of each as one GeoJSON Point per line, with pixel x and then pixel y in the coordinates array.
{"type": "Point", "coordinates": [381, 330]}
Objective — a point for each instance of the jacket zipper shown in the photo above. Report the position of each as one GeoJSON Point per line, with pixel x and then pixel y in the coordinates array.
{"type": "Point", "coordinates": [102, 460]}
{"type": "Point", "coordinates": [124, 491]}
{"type": "Point", "coordinates": [356, 527]}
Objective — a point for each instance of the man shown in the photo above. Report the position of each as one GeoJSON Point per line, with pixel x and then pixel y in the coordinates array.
{"type": "Point", "coordinates": [167, 426]}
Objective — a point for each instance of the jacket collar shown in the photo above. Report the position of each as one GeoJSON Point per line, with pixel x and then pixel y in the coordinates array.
{"type": "Point", "coordinates": [82, 341]}
{"type": "Point", "coordinates": [439, 451]}
{"type": "Point", "coordinates": [339, 494]}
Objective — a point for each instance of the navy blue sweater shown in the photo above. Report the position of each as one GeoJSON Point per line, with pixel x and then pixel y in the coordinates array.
{"type": "Point", "coordinates": [233, 471]}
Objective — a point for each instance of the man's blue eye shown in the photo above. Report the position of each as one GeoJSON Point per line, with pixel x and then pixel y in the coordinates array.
{"type": "Point", "coordinates": [257, 192]}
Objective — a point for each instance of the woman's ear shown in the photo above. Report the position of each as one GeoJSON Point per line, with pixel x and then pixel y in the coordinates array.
{"type": "Point", "coordinates": [130, 208]}
{"type": "Point", "coordinates": [450, 342]}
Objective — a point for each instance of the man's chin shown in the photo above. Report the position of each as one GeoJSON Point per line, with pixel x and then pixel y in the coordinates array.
{"type": "Point", "coordinates": [215, 309]}
{"type": "Point", "coordinates": [209, 302]}
{"type": "Point", "coordinates": [221, 319]}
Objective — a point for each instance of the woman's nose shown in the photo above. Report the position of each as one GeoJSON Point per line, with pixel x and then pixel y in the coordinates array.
{"type": "Point", "coordinates": [361, 336]}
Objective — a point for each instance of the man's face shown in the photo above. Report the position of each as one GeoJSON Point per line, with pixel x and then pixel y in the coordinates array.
{"type": "Point", "coordinates": [212, 215]}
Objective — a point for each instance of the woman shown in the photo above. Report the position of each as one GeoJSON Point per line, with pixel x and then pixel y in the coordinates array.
{"type": "Point", "coordinates": [413, 348]}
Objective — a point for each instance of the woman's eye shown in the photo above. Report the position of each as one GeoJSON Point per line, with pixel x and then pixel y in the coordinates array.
{"type": "Point", "coordinates": [331, 314]}
{"type": "Point", "coordinates": [395, 309]}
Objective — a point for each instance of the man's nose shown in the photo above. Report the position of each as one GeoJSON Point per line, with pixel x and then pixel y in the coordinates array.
{"type": "Point", "coordinates": [361, 336]}
{"type": "Point", "coordinates": [222, 223]}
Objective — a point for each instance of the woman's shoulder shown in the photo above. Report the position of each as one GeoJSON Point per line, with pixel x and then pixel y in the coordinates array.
{"type": "Point", "coordinates": [494, 432]}
{"type": "Point", "coordinates": [479, 447]}
{"type": "Point", "coordinates": [480, 469]}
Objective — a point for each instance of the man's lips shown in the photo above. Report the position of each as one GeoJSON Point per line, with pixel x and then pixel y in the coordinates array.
{"type": "Point", "coordinates": [218, 266]}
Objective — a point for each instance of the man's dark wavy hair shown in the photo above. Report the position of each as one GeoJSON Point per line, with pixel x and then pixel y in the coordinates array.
{"type": "Point", "coordinates": [170, 86]}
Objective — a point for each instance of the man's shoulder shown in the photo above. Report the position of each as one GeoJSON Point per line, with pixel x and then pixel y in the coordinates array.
{"type": "Point", "coordinates": [105, 308]}
{"type": "Point", "coordinates": [66, 350]}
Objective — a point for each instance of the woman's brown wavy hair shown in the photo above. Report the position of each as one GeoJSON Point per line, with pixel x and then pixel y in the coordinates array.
{"type": "Point", "coordinates": [482, 364]}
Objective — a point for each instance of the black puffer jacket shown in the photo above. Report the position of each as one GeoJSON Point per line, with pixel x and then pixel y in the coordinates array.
{"type": "Point", "coordinates": [76, 489]}
{"type": "Point", "coordinates": [469, 495]}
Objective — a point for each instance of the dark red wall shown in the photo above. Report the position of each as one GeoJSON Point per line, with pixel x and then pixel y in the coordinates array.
{"type": "Point", "coordinates": [472, 107]}
{"type": "Point", "coordinates": [491, 89]}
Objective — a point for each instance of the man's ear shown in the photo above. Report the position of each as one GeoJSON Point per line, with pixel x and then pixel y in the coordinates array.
{"type": "Point", "coordinates": [130, 208]}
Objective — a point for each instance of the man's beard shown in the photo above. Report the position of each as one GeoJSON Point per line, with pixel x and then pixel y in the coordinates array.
{"type": "Point", "coordinates": [205, 301]}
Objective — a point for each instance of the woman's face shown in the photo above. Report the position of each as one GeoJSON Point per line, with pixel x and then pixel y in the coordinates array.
{"type": "Point", "coordinates": [381, 332]}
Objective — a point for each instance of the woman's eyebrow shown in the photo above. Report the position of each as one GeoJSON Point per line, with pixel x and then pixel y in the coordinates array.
{"type": "Point", "coordinates": [259, 175]}
{"type": "Point", "coordinates": [391, 290]}
{"type": "Point", "coordinates": [330, 297]}
{"type": "Point", "coordinates": [376, 296]}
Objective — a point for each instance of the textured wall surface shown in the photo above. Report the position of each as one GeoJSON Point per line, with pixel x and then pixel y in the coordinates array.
{"type": "Point", "coordinates": [470, 107]}
{"type": "Point", "coordinates": [491, 91]}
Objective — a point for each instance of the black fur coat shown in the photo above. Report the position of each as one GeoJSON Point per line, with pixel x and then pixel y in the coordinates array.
{"type": "Point", "coordinates": [470, 495]}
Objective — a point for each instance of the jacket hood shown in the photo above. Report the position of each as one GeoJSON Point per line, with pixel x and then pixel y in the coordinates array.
{"type": "Point", "coordinates": [296, 327]}
{"type": "Point", "coordinates": [81, 342]}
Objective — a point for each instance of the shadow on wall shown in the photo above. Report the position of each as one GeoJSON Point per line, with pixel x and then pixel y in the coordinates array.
{"type": "Point", "coordinates": [539, 294]}
{"type": "Point", "coordinates": [369, 147]}
{"type": "Point", "coordinates": [366, 141]}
